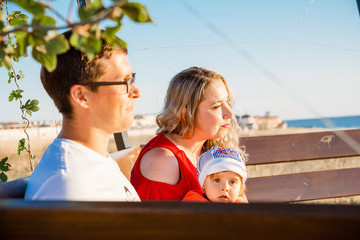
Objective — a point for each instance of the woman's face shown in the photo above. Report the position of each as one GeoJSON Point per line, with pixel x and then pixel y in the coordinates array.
{"type": "Point", "coordinates": [214, 113]}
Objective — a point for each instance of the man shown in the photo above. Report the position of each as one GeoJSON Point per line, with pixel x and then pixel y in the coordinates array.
{"type": "Point", "coordinates": [96, 99]}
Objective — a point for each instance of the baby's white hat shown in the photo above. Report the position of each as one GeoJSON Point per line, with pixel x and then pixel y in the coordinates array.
{"type": "Point", "coordinates": [219, 159]}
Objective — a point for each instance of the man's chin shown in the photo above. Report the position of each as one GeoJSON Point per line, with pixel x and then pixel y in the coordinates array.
{"type": "Point", "coordinates": [125, 126]}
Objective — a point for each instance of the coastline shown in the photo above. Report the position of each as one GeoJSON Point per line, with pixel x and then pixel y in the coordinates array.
{"type": "Point", "coordinates": [40, 138]}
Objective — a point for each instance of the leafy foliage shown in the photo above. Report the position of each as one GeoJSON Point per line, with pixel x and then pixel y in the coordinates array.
{"type": "Point", "coordinates": [4, 167]}
{"type": "Point", "coordinates": [45, 41]}
{"type": "Point", "coordinates": [19, 33]}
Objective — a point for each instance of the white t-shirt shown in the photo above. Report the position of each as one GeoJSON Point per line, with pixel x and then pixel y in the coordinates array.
{"type": "Point", "coordinates": [71, 171]}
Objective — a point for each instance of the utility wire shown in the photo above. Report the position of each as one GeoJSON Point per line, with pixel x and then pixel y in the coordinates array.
{"type": "Point", "coordinates": [246, 42]}
{"type": "Point", "coordinates": [291, 31]}
{"type": "Point", "coordinates": [268, 73]}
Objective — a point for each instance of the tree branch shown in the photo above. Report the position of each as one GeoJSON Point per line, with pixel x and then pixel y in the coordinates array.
{"type": "Point", "coordinates": [97, 18]}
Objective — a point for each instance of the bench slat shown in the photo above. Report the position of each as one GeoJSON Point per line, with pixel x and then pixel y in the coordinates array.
{"type": "Point", "coordinates": [304, 186]}
{"type": "Point", "coordinates": [176, 220]}
{"type": "Point", "coordinates": [294, 147]}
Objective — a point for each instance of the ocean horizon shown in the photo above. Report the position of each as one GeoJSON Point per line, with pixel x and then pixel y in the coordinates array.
{"type": "Point", "coordinates": [331, 122]}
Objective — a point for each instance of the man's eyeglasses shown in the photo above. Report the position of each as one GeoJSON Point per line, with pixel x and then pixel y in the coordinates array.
{"type": "Point", "coordinates": [129, 83]}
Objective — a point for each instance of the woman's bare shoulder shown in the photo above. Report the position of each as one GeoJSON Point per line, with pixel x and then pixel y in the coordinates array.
{"type": "Point", "coordinates": [161, 165]}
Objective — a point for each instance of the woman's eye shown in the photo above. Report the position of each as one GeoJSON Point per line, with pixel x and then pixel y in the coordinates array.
{"type": "Point", "coordinates": [217, 106]}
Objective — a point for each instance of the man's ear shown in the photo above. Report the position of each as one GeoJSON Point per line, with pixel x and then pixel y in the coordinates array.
{"type": "Point", "coordinates": [79, 95]}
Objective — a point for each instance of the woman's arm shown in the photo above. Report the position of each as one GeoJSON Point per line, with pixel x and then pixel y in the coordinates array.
{"type": "Point", "coordinates": [160, 164]}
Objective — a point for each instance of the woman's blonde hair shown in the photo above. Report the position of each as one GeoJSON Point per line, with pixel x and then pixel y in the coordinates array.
{"type": "Point", "coordinates": [186, 91]}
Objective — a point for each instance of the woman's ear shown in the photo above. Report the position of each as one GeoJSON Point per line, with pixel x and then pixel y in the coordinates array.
{"type": "Point", "coordinates": [184, 113]}
{"type": "Point", "coordinates": [79, 95]}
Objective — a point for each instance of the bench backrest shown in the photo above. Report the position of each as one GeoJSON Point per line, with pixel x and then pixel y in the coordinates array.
{"type": "Point", "coordinates": [271, 149]}
{"type": "Point", "coordinates": [303, 186]}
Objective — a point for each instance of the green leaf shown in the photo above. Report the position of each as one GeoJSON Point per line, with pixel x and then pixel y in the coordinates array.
{"type": "Point", "coordinates": [111, 31]}
{"type": "Point", "coordinates": [21, 146]}
{"type": "Point", "coordinates": [31, 6]}
{"type": "Point", "coordinates": [56, 43]}
{"type": "Point", "coordinates": [75, 40]}
{"type": "Point", "coordinates": [18, 22]}
{"type": "Point", "coordinates": [31, 106]}
{"type": "Point", "coordinates": [90, 10]}
{"type": "Point", "coordinates": [136, 12]}
{"type": "Point", "coordinates": [47, 60]}
{"type": "Point", "coordinates": [110, 37]}
{"type": "Point", "coordinates": [6, 54]}
{"type": "Point", "coordinates": [15, 94]}
{"type": "Point", "coordinates": [90, 46]}
{"type": "Point", "coordinates": [4, 168]}
{"type": "Point", "coordinates": [22, 42]}
{"type": "Point", "coordinates": [4, 160]}
{"type": "Point", "coordinates": [45, 21]}
{"type": "Point", "coordinates": [3, 177]}
{"type": "Point", "coordinates": [21, 74]}
{"type": "Point", "coordinates": [37, 38]}
{"type": "Point", "coordinates": [16, 18]}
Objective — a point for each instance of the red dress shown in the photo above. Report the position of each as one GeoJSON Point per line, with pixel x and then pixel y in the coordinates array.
{"type": "Point", "coordinates": [153, 190]}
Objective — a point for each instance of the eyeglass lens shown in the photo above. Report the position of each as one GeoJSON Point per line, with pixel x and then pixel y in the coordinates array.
{"type": "Point", "coordinates": [130, 84]}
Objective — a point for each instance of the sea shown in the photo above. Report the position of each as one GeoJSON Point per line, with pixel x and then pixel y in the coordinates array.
{"type": "Point", "coordinates": [331, 122]}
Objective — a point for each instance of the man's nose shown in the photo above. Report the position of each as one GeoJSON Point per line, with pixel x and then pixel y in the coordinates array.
{"type": "Point", "coordinates": [135, 92]}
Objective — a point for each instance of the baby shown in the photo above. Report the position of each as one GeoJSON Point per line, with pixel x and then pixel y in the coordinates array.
{"type": "Point", "coordinates": [222, 175]}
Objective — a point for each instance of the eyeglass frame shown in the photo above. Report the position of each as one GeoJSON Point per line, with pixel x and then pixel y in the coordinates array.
{"type": "Point", "coordinates": [129, 83]}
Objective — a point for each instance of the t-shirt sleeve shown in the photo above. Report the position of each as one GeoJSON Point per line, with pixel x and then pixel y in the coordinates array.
{"type": "Point", "coordinates": [67, 187]}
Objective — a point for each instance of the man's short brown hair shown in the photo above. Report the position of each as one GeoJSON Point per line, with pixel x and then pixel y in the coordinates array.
{"type": "Point", "coordinates": [73, 67]}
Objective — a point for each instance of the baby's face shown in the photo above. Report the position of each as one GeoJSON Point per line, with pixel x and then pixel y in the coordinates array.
{"type": "Point", "coordinates": [222, 186]}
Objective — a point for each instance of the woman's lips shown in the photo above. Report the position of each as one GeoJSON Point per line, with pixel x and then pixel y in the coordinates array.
{"type": "Point", "coordinates": [227, 125]}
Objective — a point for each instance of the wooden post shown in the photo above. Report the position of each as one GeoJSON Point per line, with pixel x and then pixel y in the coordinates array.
{"type": "Point", "coordinates": [122, 140]}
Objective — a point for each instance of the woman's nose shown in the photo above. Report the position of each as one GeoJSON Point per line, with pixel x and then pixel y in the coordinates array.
{"type": "Point", "coordinates": [227, 112]}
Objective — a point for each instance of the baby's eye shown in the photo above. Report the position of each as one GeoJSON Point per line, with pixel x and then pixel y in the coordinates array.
{"type": "Point", "coordinates": [216, 180]}
{"type": "Point", "coordinates": [233, 182]}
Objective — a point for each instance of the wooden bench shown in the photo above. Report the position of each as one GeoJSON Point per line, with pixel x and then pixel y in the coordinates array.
{"type": "Point", "coordinates": [297, 187]}
{"type": "Point", "coordinates": [269, 215]}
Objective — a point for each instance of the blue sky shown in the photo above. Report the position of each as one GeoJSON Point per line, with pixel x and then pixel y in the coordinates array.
{"type": "Point", "coordinates": [295, 59]}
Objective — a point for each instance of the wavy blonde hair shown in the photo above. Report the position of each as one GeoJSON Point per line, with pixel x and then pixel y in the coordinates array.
{"type": "Point", "coordinates": [186, 91]}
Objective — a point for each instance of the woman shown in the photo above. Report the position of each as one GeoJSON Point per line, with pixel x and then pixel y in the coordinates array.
{"type": "Point", "coordinates": [197, 115]}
